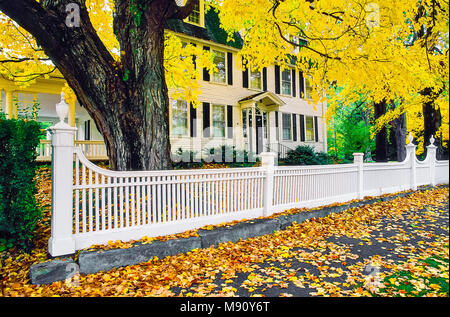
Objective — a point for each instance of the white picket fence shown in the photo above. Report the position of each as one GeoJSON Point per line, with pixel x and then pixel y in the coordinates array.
{"type": "Point", "coordinates": [91, 205]}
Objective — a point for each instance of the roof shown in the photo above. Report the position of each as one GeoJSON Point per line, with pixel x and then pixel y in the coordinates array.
{"type": "Point", "coordinates": [211, 32]}
{"type": "Point", "coordinates": [264, 94]}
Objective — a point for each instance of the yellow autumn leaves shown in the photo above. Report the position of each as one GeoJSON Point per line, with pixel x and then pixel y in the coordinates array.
{"type": "Point", "coordinates": [259, 265]}
{"type": "Point", "coordinates": [388, 61]}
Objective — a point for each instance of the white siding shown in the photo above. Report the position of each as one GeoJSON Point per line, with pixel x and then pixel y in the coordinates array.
{"type": "Point", "coordinates": [231, 94]}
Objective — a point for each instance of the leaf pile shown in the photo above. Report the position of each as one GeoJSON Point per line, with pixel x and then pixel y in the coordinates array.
{"type": "Point", "coordinates": [395, 248]}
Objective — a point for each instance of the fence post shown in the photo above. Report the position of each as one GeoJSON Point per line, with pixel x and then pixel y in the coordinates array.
{"type": "Point", "coordinates": [431, 157]}
{"type": "Point", "coordinates": [268, 163]}
{"type": "Point", "coordinates": [61, 241]}
{"type": "Point", "coordinates": [358, 159]}
{"type": "Point", "coordinates": [411, 154]}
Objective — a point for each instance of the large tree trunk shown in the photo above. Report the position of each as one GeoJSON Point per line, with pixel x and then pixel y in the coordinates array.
{"type": "Point", "coordinates": [432, 121]}
{"type": "Point", "coordinates": [381, 142]}
{"type": "Point", "coordinates": [141, 139]}
{"type": "Point", "coordinates": [128, 101]}
{"type": "Point", "coordinates": [399, 127]}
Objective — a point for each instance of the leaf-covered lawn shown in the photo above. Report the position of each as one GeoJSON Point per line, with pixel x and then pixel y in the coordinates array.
{"type": "Point", "coordinates": [395, 248]}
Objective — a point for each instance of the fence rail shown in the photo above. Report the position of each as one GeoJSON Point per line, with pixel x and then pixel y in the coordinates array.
{"type": "Point", "coordinates": [91, 205]}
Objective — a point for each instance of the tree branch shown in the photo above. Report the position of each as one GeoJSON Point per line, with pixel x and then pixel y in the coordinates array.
{"type": "Point", "coordinates": [182, 12]}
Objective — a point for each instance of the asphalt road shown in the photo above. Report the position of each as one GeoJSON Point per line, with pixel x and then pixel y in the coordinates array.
{"type": "Point", "coordinates": [344, 263]}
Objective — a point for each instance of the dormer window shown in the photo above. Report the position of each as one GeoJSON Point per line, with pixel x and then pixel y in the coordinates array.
{"type": "Point", "coordinates": [197, 15]}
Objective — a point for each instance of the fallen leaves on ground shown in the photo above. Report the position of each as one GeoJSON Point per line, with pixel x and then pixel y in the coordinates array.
{"type": "Point", "coordinates": [322, 257]}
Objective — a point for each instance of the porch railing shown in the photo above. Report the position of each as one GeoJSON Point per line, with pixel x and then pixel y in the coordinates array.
{"type": "Point", "coordinates": [93, 150]}
{"type": "Point", "coordinates": [278, 148]}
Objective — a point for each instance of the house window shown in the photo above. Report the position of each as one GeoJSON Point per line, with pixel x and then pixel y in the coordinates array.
{"type": "Point", "coordinates": [286, 82]}
{"type": "Point", "coordinates": [287, 128]}
{"type": "Point", "coordinates": [255, 79]}
{"type": "Point", "coordinates": [179, 117]}
{"type": "Point", "coordinates": [195, 15]}
{"type": "Point", "coordinates": [218, 121]}
{"type": "Point", "coordinates": [308, 87]}
{"type": "Point", "coordinates": [220, 74]}
{"type": "Point", "coordinates": [309, 124]}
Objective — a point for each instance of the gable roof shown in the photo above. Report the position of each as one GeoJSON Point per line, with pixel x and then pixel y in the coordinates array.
{"type": "Point", "coordinates": [211, 32]}
{"type": "Point", "coordinates": [264, 94]}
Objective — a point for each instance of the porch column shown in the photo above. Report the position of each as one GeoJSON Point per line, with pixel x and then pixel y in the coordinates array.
{"type": "Point", "coordinates": [35, 100]}
{"type": "Point", "coordinates": [9, 103]}
{"type": "Point", "coordinates": [253, 141]}
{"type": "Point", "coordinates": [72, 112]}
{"type": "Point", "coordinates": [16, 105]}
{"type": "Point", "coordinates": [271, 138]}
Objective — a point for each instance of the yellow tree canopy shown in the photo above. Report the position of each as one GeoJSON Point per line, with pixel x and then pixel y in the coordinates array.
{"type": "Point", "coordinates": [376, 48]}
{"type": "Point", "coordinates": [23, 61]}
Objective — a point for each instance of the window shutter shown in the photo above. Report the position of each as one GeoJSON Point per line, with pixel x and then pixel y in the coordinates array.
{"type": "Point", "coordinates": [264, 78]}
{"type": "Point", "coordinates": [302, 85]}
{"type": "Point", "coordinates": [294, 86]}
{"type": "Point", "coordinates": [206, 76]}
{"type": "Point", "coordinates": [276, 126]}
{"type": "Point", "coordinates": [277, 80]}
{"type": "Point", "coordinates": [230, 68]}
{"type": "Point", "coordinates": [230, 121]}
{"type": "Point", "coordinates": [294, 126]}
{"type": "Point", "coordinates": [87, 130]}
{"type": "Point", "coordinates": [316, 129]}
{"type": "Point", "coordinates": [302, 128]}
{"type": "Point", "coordinates": [193, 120]}
{"type": "Point", "coordinates": [244, 75]}
{"type": "Point", "coordinates": [194, 58]}
{"type": "Point", "coordinates": [206, 120]}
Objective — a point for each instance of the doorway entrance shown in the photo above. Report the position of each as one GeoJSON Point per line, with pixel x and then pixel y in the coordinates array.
{"type": "Point", "coordinates": [259, 132]}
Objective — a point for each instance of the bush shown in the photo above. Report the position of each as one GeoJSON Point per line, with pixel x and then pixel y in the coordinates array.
{"type": "Point", "coordinates": [230, 156]}
{"type": "Point", "coordinates": [306, 155]}
{"type": "Point", "coordinates": [19, 212]}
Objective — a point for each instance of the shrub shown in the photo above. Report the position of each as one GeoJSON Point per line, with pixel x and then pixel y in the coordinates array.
{"type": "Point", "coordinates": [19, 212]}
{"type": "Point", "coordinates": [306, 155]}
{"type": "Point", "coordinates": [230, 156]}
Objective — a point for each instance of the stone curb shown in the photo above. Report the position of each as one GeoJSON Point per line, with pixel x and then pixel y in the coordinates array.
{"type": "Point", "coordinates": [52, 271]}
{"type": "Point", "coordinates": [93, 261]}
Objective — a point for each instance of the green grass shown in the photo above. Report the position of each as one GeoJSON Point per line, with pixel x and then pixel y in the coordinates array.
{"type": "Point", "coordinates": [418, 285]}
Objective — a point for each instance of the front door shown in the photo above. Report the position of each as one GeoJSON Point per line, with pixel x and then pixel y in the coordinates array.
{"type": "Point", "coordinates": [259, 133]}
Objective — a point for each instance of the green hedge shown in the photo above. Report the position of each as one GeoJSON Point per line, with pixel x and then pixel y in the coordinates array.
{"type": "Point", "coordinates": [306, 155]}
{"type": "Point", "coordinates": [19, 212]}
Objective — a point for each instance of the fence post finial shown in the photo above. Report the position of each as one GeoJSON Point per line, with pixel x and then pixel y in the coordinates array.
{"type": "Point", "coordinates": [411, 154]}
{"type": "Point", "coordinates": [268, 163]}
{"type": "Point", "coordinates": [62, 109]}
{"type": "Point", "coordinates": [431, 158]}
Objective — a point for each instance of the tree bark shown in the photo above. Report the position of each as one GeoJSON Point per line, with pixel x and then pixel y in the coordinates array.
{"type": "Point", "coordinates": [432, 120]}
{"type": "Point", "coordinates": [381, 142]}
{"type": "Point", "coordinates": [128, 101]}
{"type": "Point", "coordinates": [399, 127]}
